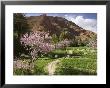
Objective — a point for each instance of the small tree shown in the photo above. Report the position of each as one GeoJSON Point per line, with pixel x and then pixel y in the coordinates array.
{"type": "Point", "coordinates": [62, 36]}
{"type": "Point", "coordinates": [36, 45]}
{"type": "Point", "coordinates": [55, 40]}
{"type": "Point", "coordinates": [20, 27]}
{"type": "Point", "coordinates": [92, 41]}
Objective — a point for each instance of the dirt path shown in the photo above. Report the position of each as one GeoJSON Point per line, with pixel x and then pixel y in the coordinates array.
{"type": "Point", "coordinates": [52, 66]}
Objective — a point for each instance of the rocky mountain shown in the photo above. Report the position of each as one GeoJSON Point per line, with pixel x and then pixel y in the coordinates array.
{"type": "Point", "coordinates": [57, 25]}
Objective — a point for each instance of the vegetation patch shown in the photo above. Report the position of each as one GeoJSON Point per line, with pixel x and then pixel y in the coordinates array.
{"type": "Point", "coordinates": [83, 65]}
{"type": "Point", "coordinates": [38, 69]}
{"type": "Point", "coordinates": [54, 42]}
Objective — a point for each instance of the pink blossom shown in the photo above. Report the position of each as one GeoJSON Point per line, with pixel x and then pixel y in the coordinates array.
{"type": "Point", "coordinates": [36, 41]}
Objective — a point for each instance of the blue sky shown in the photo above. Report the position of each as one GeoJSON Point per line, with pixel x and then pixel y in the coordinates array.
{"type": "Point", "coordinates": [87, 21]}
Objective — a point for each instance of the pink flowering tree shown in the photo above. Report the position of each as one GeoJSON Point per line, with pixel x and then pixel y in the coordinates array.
{"type": "Point", "coordinates": [64, 43]}
{"type": "Point", "coordinates": [35, 43]}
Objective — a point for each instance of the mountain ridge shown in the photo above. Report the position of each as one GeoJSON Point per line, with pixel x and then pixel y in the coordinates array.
{"type": "Point", "coordinates": [57, 25]}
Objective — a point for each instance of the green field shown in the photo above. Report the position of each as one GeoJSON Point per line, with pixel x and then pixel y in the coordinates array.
{"type": "Point", "coordinates": [73, 61]}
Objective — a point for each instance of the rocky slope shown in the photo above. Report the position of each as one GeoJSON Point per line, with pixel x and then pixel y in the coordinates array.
{"type": "Point", "coordinates": [57, 25]}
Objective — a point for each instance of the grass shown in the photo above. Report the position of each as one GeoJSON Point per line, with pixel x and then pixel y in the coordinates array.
{"type": "Point", "coordinates": [38, 69]}
{"type": "Point", "coordinates": [22, 71]}
{"type": "Point", "coordinates": [73, 61]}
{"type": "Point", "coordinates": [77, 66]}
{"type": "Point", "coordinates": [86, 64]}
{"type": "Point", "coordinates": [40, 64]}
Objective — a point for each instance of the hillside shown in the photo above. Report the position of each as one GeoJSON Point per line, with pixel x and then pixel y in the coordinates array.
{"type": "Point", "coordinates": [57, 25]}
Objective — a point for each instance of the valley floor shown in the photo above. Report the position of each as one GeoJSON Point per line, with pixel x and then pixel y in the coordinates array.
{"type": "Point", "coordinates": [77, 61]}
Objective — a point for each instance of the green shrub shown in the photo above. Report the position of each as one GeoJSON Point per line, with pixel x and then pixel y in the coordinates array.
{"type": "Point", "coordinates": [22, 72]}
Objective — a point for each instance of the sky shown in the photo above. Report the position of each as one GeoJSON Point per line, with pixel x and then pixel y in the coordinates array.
{"type": "Point", "coordinates": [87, 21]}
